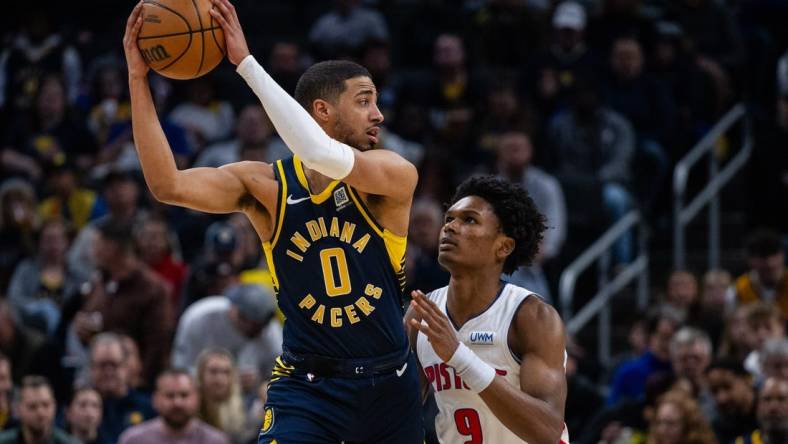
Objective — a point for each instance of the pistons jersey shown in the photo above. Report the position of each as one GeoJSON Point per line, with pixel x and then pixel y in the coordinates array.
{"type": "Point", "coordinates": [338, 274]}
{"type": "Point", "coordinates": [463, 416]}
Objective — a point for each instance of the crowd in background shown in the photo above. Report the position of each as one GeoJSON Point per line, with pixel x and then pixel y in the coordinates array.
{"type": "Point", "coordinates": [125, 320]}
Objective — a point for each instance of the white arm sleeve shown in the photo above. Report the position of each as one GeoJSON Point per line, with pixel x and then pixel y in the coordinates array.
{"type": "Point", "coordinates": [295, 126]}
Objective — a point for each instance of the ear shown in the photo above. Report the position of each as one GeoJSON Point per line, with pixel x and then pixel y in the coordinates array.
{"type": "Point", "coordinates": [505, 248]}
{"type": "Point", "coordinates": [322, 110]}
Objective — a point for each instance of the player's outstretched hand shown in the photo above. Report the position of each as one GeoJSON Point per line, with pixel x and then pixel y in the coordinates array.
{"type": "Point", "coordinates": [136, 64]}
{"type": "Point", "coordinates": [224, 13]}
{"type": "Point", "coordinates": [435, 325]}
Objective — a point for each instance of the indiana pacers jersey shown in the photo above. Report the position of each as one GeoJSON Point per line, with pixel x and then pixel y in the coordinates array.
{"type": "Point", "coordinates": [338, 275]}
{"type": "Point", "coordinates": [462, 415]}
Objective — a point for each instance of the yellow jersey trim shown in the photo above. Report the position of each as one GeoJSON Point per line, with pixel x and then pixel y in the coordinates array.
{"type": "Point", "coordinates": [316, 198]}
{"type": "Point", "coordinates": [282, 205]}
{"type": "Point", "coordinates": [269, 259]}
{"type": "Point", "coordinates": [395, 244]}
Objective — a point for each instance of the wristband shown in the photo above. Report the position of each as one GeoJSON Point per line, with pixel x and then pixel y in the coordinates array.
{"type": "Point", "coordinates": [475, 373]}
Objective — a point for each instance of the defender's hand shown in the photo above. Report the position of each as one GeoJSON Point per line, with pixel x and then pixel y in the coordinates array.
{"type": "Point", "coordinates": [431, 321]}
{"type": "Point", "coordinates": [136, 64]}
{"type": "Point", "coordinates": [224, 13]}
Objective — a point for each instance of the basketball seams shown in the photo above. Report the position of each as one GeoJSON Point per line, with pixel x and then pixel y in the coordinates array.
{"type": "Point", "coordinates": [191, 33]}
{"type": "Point", "coordinates": [202, 36]}
{"type": "Point", "coordinates": [176, 34]}
{"type": "Point", "coordinates": [215, 40]}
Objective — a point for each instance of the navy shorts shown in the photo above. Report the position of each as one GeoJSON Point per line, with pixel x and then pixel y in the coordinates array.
{"type": "Point", "coordinates": [310, 409]}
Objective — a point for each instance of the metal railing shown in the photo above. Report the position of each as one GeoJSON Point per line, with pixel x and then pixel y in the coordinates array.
{"type": "Point", "coordinates": [683, 215]}
{"type": "Point", "coordinates": [600, 252]}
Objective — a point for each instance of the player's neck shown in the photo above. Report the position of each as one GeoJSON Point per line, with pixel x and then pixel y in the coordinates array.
{"type": "Point", "coordinates": [471, 293]}
{"type": "Point", "coordinates": [317, 182]}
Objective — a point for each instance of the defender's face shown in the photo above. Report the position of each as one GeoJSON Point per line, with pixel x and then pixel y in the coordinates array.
{"type": "Point", "coordinates": [358, 117]}
{"type": "Point", "coordinates": [471, 236]}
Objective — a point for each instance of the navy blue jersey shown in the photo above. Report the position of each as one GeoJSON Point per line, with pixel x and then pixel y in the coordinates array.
{"type": "Point", "coordinates": [339, 276]}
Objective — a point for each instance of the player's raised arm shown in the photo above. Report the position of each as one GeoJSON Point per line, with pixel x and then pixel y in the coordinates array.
{"type": "Point", "coordinates": [376, 172]}
{"type": "Point", "coordinates": [214, 190]}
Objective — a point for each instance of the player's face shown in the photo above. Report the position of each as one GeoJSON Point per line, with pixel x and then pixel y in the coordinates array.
{"type": "Point", "coordinates": [472, 237]}
{"type": "Point", "coordinates": [358, 115]}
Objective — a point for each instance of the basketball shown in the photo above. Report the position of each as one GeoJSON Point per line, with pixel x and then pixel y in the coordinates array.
{"type": "Point", "coordinates": [179, 39]}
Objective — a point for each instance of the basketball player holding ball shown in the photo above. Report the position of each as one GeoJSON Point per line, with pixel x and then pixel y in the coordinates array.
{"type": "Point", "coordinates": [493, 352]}
{"type": "Point", "coordinates": [333, 220]}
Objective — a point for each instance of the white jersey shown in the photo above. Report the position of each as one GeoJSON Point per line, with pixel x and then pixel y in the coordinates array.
{"type": "Point", "coordinates": [463, 417]}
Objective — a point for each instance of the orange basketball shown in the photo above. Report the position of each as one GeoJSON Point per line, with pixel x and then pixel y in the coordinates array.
{"type": "Point", "coordinates": [179, 39]}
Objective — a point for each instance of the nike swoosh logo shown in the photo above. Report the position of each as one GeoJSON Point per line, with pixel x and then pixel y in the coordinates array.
{"type": "Point", "coordinates": [402, 370]}
{"type": "Point", "coordinates": [291, 201]}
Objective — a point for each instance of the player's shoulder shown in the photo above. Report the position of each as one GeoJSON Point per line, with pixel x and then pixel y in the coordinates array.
{"type": "Point", "coordinates": [534, 313]}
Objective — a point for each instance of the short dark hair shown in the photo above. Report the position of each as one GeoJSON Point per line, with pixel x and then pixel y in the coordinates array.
{"type": "Point", "coordinates": [174, 372]}
{"type": "Point", "coordinates": [660, 313]}
{"type": "Point", "coordinates": [118, 232]}
{"type": "Point", "coordinates": [326, 81]}
{"type": "Point", "coordinates": [34, 382]}
{"type": "Point", "coordinates": [762, 243]}
{"type": "Point", "coordinates": [516, 211]}
{"type": "Point", "coordinates": [4, 358]}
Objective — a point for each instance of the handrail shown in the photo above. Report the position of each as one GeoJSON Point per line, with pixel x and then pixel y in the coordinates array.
{"type": "Point", "coordinates": [599, 252]}
{"type": "Point", "coordinates": [683, 215]}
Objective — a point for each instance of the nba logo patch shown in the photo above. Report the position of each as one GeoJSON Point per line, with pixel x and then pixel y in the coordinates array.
{"type": "Point", "coordinates": [268, 420]}
{"type": "Point", "coordinates": [482, 337]}
{"type": "Point", "coordinates": [340, 198]}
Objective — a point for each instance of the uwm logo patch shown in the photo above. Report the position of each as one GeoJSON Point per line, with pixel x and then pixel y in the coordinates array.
{"type": "Point", "coordinates": [482, 337]}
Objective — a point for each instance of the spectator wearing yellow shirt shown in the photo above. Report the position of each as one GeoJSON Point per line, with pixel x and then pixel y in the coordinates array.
{"type": "Point", "coordinates": [767, 279]}
{"type": "Point", "coordinates": [69, 201]}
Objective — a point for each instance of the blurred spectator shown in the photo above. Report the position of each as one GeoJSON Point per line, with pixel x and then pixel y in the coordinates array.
{"type": "Point", "coordinates": [690, 355]}
{"type": "Point", "coordinates": [18, 224]}
{"type": "Point", "coordinates": [83, 416]}
{"type": "Point", "coordinates": [765, 322]}
{"type": "Point", "coordinates": [41, 284]}
{"type": "Point", "coordinates": [253, 141]}
{"type": "Point", "coordinates": [514, 162]}
{"type": "Point", "coordinates": [20, 344]}
{"type": "Point", "coordinates": [649, 108]}
{"type": "Point", "coordinates": [515, 153]}
{"type": "Point", "coordinates": [127, 298]}
{"type": "Point", "coordinates": [566, 57]}
{"type": "Point", "coordinates": [285, 64]}
{"type": "Point", "coordinates": [583, 397]}
{"type": "Point", "coordinates": [679, 420]}
{"type": "Point", "coordinates": [507, 33]}
{"type": "Point", "coordinates": [682, 293]}
{"type": "Point", "coordinates": [47, 135]}
{"type": "Point", "coordinates": [767, 279]}
{"type": "Point", "coordinates": [712, 30]}
{"type": "Point", "coordinates": [731, 386]}
{"type": "Point", "coordinates": [35, 406]}
{"type": "Point", "coordinates": [241, 322]}
{"type": "Point", "coordinates": [737, 340]}
{"type": "Point", "coordinates": [218, 266]}
{"type": "Point", "coordinates": [69, 200]}
{"type": "Point", "coordinates": [205, 118]}
{"type": "Point", "coordinates": [121, 194]}
{"type": "Point", "coordinates": [176, 401]}
{"type": "Point", "coordinates": [629, 380]}
{"type": "Point", "coordinates": [219, 389]}
{"type": "Point", "coordinates": [717, 300]}
{"type": "Point", "coordinates": [593, 147]}
{"type": "Point", "coordinates": [774, 359]}
{"type": "Point", "coordinates": [35, 51]}
{"type": "Point", "coordinates": [504, 112]}
{"type": "Point", "coordinates": [772, 414]}
{"type": "Point", "coordinates": [375, 55]}
{"type": "Point", "coordinates": [674, 64]}
{"type": "Point", "coordinates": [156, 245]}
{"type": "Point", "coordinates": [122, 407]}
{"type": "Point", "coordinates": [110, 106]}
{"type": "Point", "coordinates": [423, 271]}
{"type": "Point", "coordinates": [621, 18]}
{"type": "Point", "coordinates": [6, 392]}
{"type": "Point", "coordinates": [344, 29]}
{"type": "Point", "coordinates": [133, 362]}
